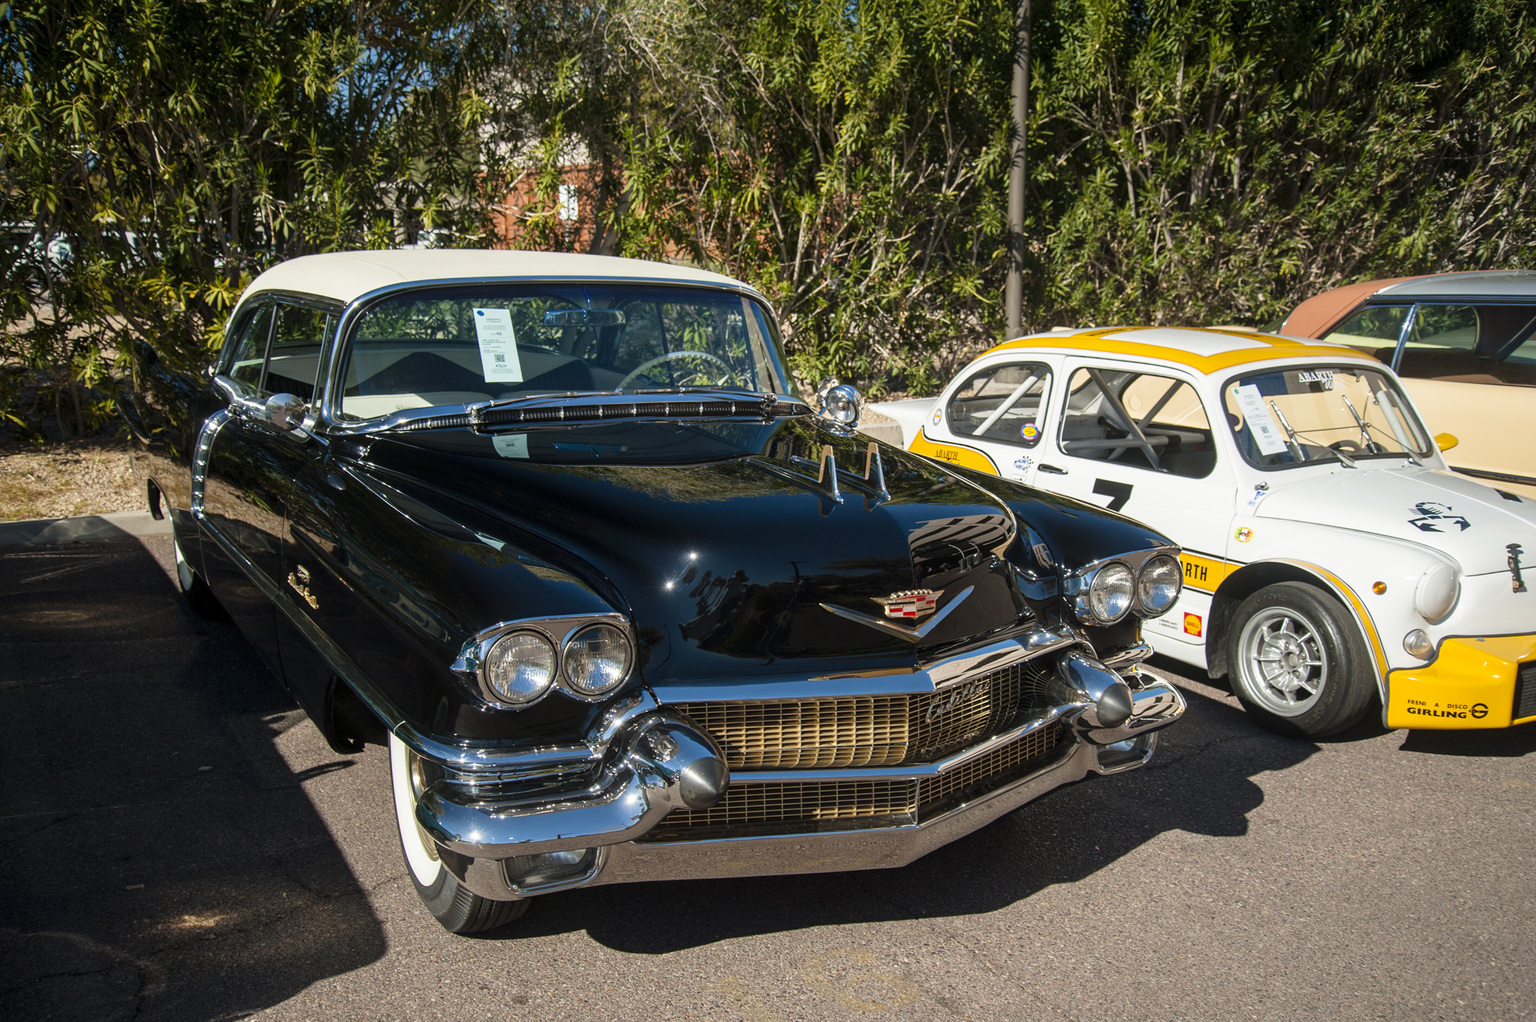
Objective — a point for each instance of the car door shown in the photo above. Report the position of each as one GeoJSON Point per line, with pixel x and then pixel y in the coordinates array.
{"type": "Point", "coordinates": [246, 463]}
{"type": "Point", "coordinates": [1139, 441]}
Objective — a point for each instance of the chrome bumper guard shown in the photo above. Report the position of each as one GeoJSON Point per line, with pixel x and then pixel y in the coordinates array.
{"type": "Point", "coordinates": [651, 761]}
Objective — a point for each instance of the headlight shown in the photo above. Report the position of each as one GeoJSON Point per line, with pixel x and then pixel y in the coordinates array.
{"type": "Point", "coordinates": [596, 660]}
{"type": "Point", "coordinates": [1158, 585]}
{"type": "Point", "coordinates": [1110, 593]}
{"type": "Point", "coordinates": [520, 667]}
{"type": "Point", "coordinates": [1439, 589]}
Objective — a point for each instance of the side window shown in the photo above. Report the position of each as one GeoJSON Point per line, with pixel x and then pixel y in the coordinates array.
{"type": "Point", "coordinates": [1138, 419]}
{"type": "Point", "coordinates": [1464, 343]}
{"type": "Point", "coordinates": [1374, 329]}
{"type": "Point", "coordinates": [250, 354]}
{"type": "Point", "coordinates": [1005, 403]}
{"type": "Point", "coordinates": [294, 359]}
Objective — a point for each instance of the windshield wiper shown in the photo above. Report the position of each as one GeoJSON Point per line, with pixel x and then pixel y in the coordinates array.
{"type": "Point", "coordinates": [1370, 446]}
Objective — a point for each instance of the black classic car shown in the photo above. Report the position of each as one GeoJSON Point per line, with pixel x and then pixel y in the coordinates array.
{"type": "Point", "coordinates": [555, 529]}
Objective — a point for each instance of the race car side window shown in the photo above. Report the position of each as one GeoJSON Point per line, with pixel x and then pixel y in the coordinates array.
{"type": "Point", "coordinates": [1002, 402]}
{"type": "Point", "coordinates": [1137, 419]}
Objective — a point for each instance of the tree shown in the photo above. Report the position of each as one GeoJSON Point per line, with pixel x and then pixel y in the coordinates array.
{"type": "Point", "coordinates": [177, 149]}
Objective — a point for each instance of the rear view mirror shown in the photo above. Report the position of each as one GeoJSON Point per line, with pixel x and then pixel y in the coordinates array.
{"type": "Point", "coordinates": [1445, 441]}
{"type": "Point", "coordinates": [583, 317]}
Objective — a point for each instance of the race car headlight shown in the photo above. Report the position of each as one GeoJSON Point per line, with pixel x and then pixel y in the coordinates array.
{"type": "Point", "coordinates": [1438, 590]}
{"type": "Point", "coordinates": [597, 660]}
{"type": "Point", "coordinates": [1158, 585]}
{"type": "Point", "coordinates": [520, 667]}
{"type": "Point", "coordinates": [1110, 593]}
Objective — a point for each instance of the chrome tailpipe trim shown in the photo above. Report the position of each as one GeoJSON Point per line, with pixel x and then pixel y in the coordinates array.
{"type": "Point", "coordinates": [1104, 709]}
{"type": "Point", "coordinates": [658, 762]}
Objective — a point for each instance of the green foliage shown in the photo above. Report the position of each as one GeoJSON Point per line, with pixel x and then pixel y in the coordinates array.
{"type": "Point", "coordinates": [169, 151]}
{"type": "Point", "coordinates": [1191, 161]}
{"type": "Point", "coordinates": [1220, 160]}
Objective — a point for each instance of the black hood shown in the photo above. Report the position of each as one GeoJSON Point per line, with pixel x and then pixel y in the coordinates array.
{"type": "Point", "coordinates": [719, 541]}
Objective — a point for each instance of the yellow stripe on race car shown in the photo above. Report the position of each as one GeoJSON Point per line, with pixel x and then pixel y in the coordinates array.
{"type": "Point", "coordinates": [1205, 574]}
{"type": "Point", "coordinates": [965, 457]}
{"type": "Point", "coordinates": [1378, 653]}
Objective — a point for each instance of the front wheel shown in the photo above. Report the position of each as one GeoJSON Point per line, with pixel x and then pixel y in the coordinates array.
{"type": "Point", "coordinates": [459, 909]}
{"type": "Point", "coordinates": [193, 586]}
{"type": "Point", "coordinates": [1299, 664]}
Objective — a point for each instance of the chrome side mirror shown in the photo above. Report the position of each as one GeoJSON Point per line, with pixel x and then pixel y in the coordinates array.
{"type": "Point", "coordinates": [839, 405]}
{"type": "Point", "coordinates": [285, 411]}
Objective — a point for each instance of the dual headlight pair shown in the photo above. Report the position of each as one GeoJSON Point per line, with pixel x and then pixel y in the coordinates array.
{"type": "Point", "coordinates": [1115, 588]}
{"type": "Point", "coordinates": [519, 663]}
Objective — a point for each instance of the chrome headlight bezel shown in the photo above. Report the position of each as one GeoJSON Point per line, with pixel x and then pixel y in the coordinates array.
{"type": "Point", "coordinates": [1111, 593]}
{"type": "Point", "coordinates": [1079, 585]}
{"type": "Point", "coordinates": [1168, 587]}
{"type": "Point", "coordinates": [563, 636]}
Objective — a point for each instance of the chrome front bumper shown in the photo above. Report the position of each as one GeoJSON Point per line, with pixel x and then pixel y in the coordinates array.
{"type": "Point", "coordinates": [553, 819]}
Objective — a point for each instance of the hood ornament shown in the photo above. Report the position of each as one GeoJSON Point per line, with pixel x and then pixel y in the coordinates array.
{"type": "Point", "coordinates": [913, 635]}
{"type": "Point", "coordinates": [909, 604]}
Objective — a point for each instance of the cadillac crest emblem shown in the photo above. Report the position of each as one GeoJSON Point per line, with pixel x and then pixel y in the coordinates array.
{"type": "Point", "coordinates": [909, 604]}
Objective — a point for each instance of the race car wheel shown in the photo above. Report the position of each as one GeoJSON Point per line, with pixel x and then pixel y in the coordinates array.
{"type": "Point", "coordinates": [459, 909]}
{"type": "Point", "coordinates": [1298, 662]}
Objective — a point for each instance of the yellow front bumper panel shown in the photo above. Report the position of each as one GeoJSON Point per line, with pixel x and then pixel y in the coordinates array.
{"type": "Point", "coordinates": [1473, 683]}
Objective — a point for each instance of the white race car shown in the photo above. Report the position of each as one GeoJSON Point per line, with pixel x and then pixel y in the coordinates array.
{"type": "Point", "coordinates": [1330, 557]}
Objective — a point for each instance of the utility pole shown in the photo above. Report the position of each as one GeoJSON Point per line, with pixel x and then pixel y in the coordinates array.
{"type": "Point", "coordinates": [1014, 297]}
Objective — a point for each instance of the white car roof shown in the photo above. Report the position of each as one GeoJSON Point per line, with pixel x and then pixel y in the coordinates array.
{"type": "Point", "coordinates": [345, 276]}
{"type": "Point", "coordinates": [1467, 285]}
{"type": "Point", "coordinates": [1201, 349]}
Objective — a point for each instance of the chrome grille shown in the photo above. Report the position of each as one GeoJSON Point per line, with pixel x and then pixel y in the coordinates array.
{"type": "Point", "coordinates": [868, 730]}
{"type": "Point", "coordinates": [811, 806]}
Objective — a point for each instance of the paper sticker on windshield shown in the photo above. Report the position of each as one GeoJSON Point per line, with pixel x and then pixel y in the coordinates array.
{"type": "Point", "coordinates": [498, 346]}
{"type": "Point", "coordinates": [511, 445]}
{"type": "Point", "coordinates": [1265, 436]}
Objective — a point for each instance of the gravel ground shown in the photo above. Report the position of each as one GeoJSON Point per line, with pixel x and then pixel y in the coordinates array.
{"type": "Point", "coordinates": [66, 478]}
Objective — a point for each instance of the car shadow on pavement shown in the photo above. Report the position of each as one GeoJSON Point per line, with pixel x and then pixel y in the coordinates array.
{"type": "Point", "coordinates": [1200, 780]}
{"type": "Point", "coordinates": [1505, 742]}
{"type": "Point", "coordinates": [162, 860]}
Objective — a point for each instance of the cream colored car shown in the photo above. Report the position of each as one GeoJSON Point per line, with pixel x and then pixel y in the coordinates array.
{"type": "Point", "coordinates": [1464, 345]}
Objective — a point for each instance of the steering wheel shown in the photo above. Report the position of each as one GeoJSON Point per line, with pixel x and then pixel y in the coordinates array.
{"type": "Point", "coordinates": [727, 372]}
{"type": "Point", "coordinates": [1347, 446]}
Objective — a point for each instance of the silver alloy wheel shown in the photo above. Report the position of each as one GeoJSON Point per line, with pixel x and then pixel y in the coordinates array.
{"type": "Point", "coordinates": [1283, 663]}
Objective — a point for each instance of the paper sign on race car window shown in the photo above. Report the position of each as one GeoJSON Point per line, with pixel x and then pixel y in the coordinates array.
{"type": "Point", "coordinates": [498, 346]}
{"type": "Point", "coordinates": [1265, 436]}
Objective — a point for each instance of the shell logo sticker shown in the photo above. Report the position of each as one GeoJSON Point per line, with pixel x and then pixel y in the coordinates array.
{"type": "Point", "coordinates": [1243, 534]}
{"type": "Point", "coordinates": [1192, 625]}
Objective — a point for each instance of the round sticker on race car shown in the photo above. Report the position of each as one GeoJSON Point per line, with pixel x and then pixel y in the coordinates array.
{"type": "Point", "coordinates": [1029, 431]}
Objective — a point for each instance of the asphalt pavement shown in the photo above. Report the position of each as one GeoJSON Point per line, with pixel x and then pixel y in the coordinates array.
{"type": "Point", "coordinates": [178, 843]}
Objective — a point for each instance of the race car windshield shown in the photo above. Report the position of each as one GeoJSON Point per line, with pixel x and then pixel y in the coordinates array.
{"type": "Point", "coordinates": [1288, 417]}
{"type": "Point", "coordinates": [486, 342]}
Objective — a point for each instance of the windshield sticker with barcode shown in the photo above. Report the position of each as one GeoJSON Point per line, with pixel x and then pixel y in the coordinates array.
{"type": "Point", "coordinates": [1262, 428]}
{"type": "Point", "coordinates": [498, 346]}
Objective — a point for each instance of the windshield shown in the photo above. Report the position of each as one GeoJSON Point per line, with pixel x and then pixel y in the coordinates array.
{"type": "Point", "coordinates": [456, 345]}
{"type": "Point", "coordinates": [1287, 417]}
